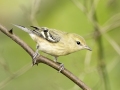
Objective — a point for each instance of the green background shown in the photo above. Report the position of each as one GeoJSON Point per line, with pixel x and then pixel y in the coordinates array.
{"type": "Point", "coordinates": [16, 72]}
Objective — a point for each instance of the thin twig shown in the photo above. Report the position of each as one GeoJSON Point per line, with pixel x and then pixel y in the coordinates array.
{"type": "Point", "coordinates": [42, 59]}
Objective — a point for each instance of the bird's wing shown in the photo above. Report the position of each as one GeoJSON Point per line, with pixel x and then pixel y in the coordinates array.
{"type": "Point", "coordinates": [48, 34]}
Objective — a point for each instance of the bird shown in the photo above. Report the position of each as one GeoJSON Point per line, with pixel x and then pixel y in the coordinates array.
{"type": "Point", "coordinates": [54, 42]}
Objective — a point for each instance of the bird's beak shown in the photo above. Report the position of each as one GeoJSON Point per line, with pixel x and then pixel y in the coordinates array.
{"type": "Point", "coordinates": [88, 48]}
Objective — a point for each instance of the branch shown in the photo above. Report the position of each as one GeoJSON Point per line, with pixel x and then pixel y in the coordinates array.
{"type": "Point", "coordinates": [42, 59]}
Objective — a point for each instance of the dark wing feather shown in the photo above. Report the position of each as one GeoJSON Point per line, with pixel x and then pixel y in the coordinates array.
{"type": "Point", "coordinates": [47, 34]}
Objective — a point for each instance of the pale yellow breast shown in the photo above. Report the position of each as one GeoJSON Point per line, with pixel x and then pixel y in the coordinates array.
{"type": "Point", "coordinates": [55, 49]}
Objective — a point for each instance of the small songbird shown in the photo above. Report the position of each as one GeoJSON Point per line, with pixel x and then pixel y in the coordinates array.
{"type": "Point", "coordinates": [54, 42]}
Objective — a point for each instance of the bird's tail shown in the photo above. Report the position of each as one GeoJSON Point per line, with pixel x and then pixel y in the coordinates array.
{"type": "Point", "coordinates": [23, 28]}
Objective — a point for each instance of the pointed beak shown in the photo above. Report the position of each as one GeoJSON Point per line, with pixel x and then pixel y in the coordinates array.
{"type": "Point", "coordinates": [88, 48]}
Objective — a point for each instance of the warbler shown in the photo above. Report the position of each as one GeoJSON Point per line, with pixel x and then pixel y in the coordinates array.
{"type": "Point", "coordinates": [55, 42]}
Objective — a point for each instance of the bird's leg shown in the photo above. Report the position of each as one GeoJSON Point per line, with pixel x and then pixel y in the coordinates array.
{"type": "Point", "coordinates": [61, 64]}
{"type": "Point", "coordinates": [35, 54]}
{"type": "Point", "coordinates": [55, 59]}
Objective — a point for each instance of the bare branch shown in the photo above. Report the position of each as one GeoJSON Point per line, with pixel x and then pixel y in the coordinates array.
{"type": "Point", "coordinates": [42, 59]}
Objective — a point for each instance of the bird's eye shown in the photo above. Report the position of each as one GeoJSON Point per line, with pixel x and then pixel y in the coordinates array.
{"type": "Point", "coordinates": [78, 43]}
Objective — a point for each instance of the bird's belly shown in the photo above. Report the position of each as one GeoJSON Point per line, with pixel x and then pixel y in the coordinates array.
{"type": "Point", "coordinates": [52, 49]}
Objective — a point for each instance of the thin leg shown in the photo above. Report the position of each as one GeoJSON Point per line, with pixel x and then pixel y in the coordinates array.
{"type": "Point", "coordinates": [55, 59]}
{"type": "Point", "coordinates": [35, 54]}
{"type": "Point", "coordinates": [61, 64]}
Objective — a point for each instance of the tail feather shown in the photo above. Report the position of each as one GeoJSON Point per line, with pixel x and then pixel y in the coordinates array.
{"type": "Point", "coordinates": [23, 28]}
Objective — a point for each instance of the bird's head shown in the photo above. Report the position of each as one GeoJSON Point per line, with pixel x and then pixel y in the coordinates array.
{"type": "Point", "coordinates": [77, 42]}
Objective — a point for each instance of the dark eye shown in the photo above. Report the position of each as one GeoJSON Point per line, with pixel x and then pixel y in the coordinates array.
{"type": "Point", "coordinates": [78, 43]}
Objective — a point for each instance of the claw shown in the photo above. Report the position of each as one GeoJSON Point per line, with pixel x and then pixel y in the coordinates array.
{"type": "Point", "coordinates": [61, 67]}
{"type": "Point", "coordinates": [61, 64]}
{"type": "Point", "coordinates": [36, 54]}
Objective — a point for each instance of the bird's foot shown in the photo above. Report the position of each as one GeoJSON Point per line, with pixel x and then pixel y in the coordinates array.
{"type": "Point", "coordinates": [61, 67]}
{"type": "Point", "coordinates": [36, 54]}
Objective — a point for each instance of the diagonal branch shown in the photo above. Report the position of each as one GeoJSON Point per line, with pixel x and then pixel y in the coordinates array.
{"type": "Point", "coordinates": [42, 59]}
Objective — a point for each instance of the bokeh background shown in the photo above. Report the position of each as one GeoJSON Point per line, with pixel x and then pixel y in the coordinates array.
{"type": "Point", "coordinates": [98, 21]}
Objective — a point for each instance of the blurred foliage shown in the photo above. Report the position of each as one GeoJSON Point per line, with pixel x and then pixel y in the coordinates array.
{"type": "Point", "coordinates": [78, 16]}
